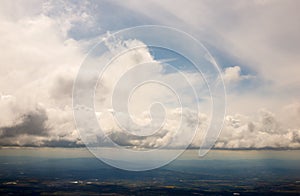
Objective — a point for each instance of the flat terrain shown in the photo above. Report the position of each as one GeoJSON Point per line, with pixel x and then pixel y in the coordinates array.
{"type": "Point", "coordinates": [36, 175]}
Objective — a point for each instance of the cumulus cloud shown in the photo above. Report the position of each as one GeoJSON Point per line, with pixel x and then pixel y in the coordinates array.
{"type": "Point", "coordinates": [128, 127]}
{"type": "Point", "coordinates": [32, 123]}
{"type": "Point", "coordinates": [260, 35]}
{"type": "Point", "coordinates": [37, 70]}
{"type": "Point", "coordinates": [38, 108]}
{"type": "Point", "coordinates": [41, 59]}
{"type": "Point", "coordinates": [36, 125]}
{"type": "Point", "coordinates": [233, 75]}
{"type": "Point", "coordinates": [259, 132]}
{"type": "Point", "coordinates": [180, 129]}
{"type": "Point", "coordinates": [263, 130]}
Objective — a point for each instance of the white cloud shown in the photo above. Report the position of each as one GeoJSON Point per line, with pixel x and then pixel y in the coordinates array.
{"type": "Point", "coordinates": [263, 36]}
{"type": "Point", "coordinates": [262, 131]}
{"type": "Point", "coordinates": [233, 75]}
{"type": "Point", "coordinates": [37, 68]}
{"type": "Point", "coordinates": [39, 62]}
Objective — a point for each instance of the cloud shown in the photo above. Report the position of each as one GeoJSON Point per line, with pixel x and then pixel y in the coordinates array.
{"type": "Point", "coordinates": [233, 75]}
{"type": "Point", "coordinates": [37, 71]}
{"type": "Point", "coordinates": [62, 143]}
{"type": "Point", "coordinates": [32, 123]}
{"type": "Point", "coordinates": [263, 131]}
{"type": "Point", "coordinates": [178, 131]}
{"type": "Point", "coordinates": [263, 37]}
{"type": "Point", "coordinates": [121, 77]}
{"type": "Point", "coordinates": [42, 56]}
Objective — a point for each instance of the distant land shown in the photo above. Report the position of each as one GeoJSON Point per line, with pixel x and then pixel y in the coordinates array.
{"type": "Point", "coordinates": [75, 171]}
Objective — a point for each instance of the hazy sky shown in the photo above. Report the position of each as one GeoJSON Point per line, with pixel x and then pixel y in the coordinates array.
{"type": "Point", "coordinates": [256, 44]}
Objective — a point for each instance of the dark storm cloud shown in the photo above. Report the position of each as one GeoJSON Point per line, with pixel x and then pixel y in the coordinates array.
{"type": "Point", "coordinates": [62, 143]}
{"type": "Point", "coordinates": [59, 143]}
{"type": "Point", "coordinates": [31, 123]}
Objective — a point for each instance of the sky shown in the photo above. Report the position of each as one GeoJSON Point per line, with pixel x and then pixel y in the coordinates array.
{"type": "Point", "coordinates": [255, 44]}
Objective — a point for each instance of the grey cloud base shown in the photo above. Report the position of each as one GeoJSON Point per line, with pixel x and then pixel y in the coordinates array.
{"type": "Point", "coordinates": [239, 133]}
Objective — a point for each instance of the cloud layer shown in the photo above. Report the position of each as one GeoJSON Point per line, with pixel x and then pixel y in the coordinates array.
{"type": "Point", "coordinates": [44, 43]}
